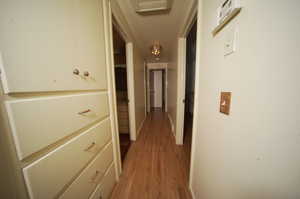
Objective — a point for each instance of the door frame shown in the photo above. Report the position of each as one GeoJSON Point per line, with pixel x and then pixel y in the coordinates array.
{"type": "Point", "coordinates": [130, 90]}
{"type": "Point", "coordinates": [113, 16]}
{"type": "Point", "coordinates": [194, 13]}
{"type": "Point", "coordinates": [189, 21]}
{"type": "Point", "coordinates": [157, 66]}
{"type": "Point", "coordinates": [107, 13]}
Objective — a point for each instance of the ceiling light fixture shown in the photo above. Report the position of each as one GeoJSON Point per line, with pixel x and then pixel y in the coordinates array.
{"type": "Point", "coordinates": [156, 49]}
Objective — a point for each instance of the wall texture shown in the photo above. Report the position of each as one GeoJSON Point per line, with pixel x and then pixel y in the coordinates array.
{"type": "Point", "coordinates": [253, 152]}
{"type": "Point", "coordinates": [139, 88]}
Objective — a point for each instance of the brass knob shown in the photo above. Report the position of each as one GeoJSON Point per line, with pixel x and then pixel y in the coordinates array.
{"type": "Point", "coordinates": [76, 71]}
{"type": "Point", "coordinates": [86, 73]}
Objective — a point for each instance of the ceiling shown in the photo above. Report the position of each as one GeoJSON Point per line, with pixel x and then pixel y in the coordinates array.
{"type": "Point", "coordinates": [161, 26]}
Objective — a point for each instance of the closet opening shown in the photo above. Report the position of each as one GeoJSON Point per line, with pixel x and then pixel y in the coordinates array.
{"type": "Point", "coordinates": [120, 69]}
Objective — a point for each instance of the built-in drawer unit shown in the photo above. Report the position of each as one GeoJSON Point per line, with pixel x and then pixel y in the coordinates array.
{"type": "Point", "coordinates": [87, 181]}
{"type": "Point", "coordinates": [48, 175]}
{"type": "Point", "coordinates": [36, 123]}
{"type": "Point", "coordinates": [105, 188]}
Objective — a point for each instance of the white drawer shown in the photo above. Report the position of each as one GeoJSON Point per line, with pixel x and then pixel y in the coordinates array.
{"type": "Point", "coordinates": [105, 188]}
{"type": "Point", "coordinates": [84, 185]}
{"type": "Point", "coordinates": [47, 176]}
{"type": "Point", "coordinates": [37, 123]}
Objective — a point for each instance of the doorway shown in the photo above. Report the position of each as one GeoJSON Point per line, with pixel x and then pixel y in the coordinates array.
{"type": "Point", "coordinates": [120, 70]}
{"type": "Point", "coordinates": [157, 90]}
{"type": "Point", "coordinates": [189, 91]}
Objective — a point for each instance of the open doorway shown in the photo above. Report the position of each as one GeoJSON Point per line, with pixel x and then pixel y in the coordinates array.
{"type": "Point", "coordinates": [189, 91]}
{"type": "Point", "coordinates": [156, 89]}
{"type": "Point", "coordinates": [120, 70]}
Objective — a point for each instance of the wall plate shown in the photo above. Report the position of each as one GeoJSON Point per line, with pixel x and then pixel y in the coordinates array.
{"type": "Point", "coordinates": [225, 102]}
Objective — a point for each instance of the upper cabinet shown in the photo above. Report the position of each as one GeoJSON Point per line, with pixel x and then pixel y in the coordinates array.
{"type": "Point", "coordinates": [55, 45]}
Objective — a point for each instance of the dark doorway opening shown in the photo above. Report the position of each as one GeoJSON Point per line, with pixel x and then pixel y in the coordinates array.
{"type": "Point", "coordinates": [189, 91]}
{"type": "Point", "coordinates": [121, 92]}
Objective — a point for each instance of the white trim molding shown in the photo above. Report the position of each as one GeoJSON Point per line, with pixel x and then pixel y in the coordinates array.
{"type": "Point", "coordinates": [189, 19]}
{"type": "Point", "coordinates": [111, 86]}
{"type": "Point", "coordinates": [197, 94]}
{"type": "Point", "coordinates": [171, 123]}
{"type": "Point", "coordinates": [180, 90]}
{"type": "Point", "coordinates": [162, 66]}
{"type": "Point", "coordinates": [141, 126]}
{"type": "Point", "coordinates": [130, 86]}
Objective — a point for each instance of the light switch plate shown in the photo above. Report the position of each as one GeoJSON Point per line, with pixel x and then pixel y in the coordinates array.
{"type": "Point", "coordinates": [225, 102]}
{"type": "Point", "coordinates": [230, 42]}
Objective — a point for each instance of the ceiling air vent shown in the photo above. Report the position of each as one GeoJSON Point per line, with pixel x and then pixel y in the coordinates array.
{"type": "Point", "coordinates": [152, 5]}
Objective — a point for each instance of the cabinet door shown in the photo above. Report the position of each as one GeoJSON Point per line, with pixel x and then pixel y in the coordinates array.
{"type": "Point", "coordinates": [41, 45]}
{"type": "Point", "coordinates": [91, 41]}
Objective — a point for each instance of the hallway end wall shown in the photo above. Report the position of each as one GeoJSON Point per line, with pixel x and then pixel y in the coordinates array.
{"type": "Point", "coordinates": [139, 89]}
{"type": "Point", "coordinates": [253, 152]}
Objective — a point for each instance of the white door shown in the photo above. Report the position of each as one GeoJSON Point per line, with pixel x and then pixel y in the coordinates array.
{"type": "Point", "coordinates": [158, 89]}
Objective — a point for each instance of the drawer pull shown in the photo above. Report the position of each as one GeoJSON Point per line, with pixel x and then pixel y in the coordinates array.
{"type": "Point", "coordinates": [83, 112]}
{"type": "Point", "coordinates": [76, 71]}
{"type": "Point", "coordinates": [90, 147]}
{"type": "Point", "coordinates": [94, 178]}
{"type": "Point", "coordinates": [86, 73]}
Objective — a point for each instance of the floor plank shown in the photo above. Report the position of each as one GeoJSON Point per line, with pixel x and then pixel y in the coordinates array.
{"type": "Point", "coordinates": [154, 167]}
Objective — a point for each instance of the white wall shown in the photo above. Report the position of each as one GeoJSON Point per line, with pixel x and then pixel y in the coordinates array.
{"type": "Point", "coordinates": [254, 152]}
{"type": "Point", "coordinates": [139, 88]}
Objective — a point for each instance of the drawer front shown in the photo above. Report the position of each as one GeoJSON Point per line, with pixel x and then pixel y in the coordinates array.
{"type": "Point", "coordinates": [37, 123]}
{"type": "Point", "coordinates": [105, 188]}
{"type": "Point", "coordinates": [47, 176]}
{"type": "Point", "coordinates": [42, 45]}
{"type": "Point", "coordinates": [84, 185]}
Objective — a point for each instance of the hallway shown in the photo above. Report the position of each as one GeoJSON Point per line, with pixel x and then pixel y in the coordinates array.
{"type": "Point", "coordinates": [154, 166]}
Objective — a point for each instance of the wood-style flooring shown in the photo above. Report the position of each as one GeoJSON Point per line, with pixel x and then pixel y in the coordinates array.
{"type": "Point", "coordinates": [155, 167]}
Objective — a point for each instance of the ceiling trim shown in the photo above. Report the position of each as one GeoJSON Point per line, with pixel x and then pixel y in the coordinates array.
{"type": "Point", "coordinates": [189, 18]}
{"type": "Point", "coordinates": [123, 25]}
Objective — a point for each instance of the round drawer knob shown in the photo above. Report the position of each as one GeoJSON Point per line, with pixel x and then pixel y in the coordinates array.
{"type": "Point", "coordinates": [86, 74]}
{"type": "Point", "coordinates": [76, 71]}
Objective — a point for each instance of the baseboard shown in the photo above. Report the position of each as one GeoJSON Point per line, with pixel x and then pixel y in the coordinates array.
{"type": "Point", "coordinates": [141, 126]}
{"type": "Point", "coordinates": [172, 124]}
{"type": "Point", "coordinates": [192, 192]}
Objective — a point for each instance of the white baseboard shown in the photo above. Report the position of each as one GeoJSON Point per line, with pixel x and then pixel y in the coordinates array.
{"type": "Point", "coordinates": [141, 126]}
{"type": "Point", "coordinates": [192, 192]}
{"type": "Point", "coordinates": [172, 124]}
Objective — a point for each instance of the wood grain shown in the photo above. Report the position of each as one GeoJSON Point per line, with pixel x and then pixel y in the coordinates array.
{"type": "Point", "coordinates": [154, 166]}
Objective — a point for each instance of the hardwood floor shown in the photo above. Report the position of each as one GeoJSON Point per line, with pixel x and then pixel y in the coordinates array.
{"type": "Point", "coordinates": [154, 167]}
